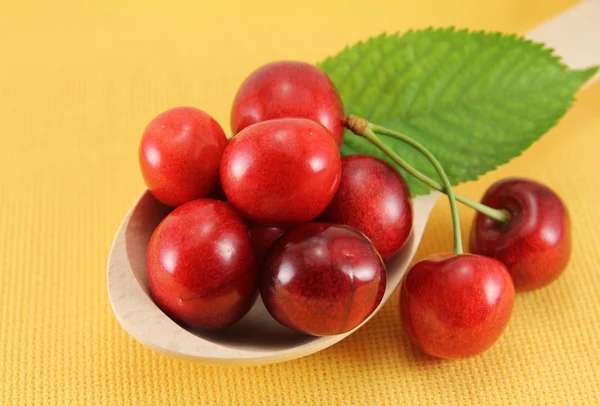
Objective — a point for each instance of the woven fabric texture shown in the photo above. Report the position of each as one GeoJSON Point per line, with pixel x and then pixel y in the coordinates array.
{"type": "Point", "coordinates": [79, 80]}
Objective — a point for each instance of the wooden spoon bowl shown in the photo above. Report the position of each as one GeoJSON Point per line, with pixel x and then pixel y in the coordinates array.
{"type": "Point", "coordinates": [254, 340]}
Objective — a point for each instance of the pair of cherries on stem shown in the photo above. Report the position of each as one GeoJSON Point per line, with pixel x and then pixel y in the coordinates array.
{"type": "Point", "coordinates": [455, 306]}
{"type": "Point", "coordinates": [472, 312]}
{"type": "Point", "coordinates": [458, 306]}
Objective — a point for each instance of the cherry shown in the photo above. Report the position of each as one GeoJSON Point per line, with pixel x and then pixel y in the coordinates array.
{"type": "Point", "coordinates": [374, 199]}
{"type": "Point", "coordinates": [180, 154]}
{"type": "Point", "coordinates": [262, 238]}
{"type": "Point", "coordinates": [201, 266]}
{"type": "Point", "coordinates": [289, 89]}
{"type": "Point", "coordinates": [322, 279]}
{"type": "Point", "coordinates": [535, 243]}
{"type": "Point", "coordinates": [456, 306]}
{"type": "Point", "coordinates": [281, 172]}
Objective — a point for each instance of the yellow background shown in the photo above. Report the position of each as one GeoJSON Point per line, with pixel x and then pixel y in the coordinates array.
{"type": "Point", "coordinates": [79, 80]}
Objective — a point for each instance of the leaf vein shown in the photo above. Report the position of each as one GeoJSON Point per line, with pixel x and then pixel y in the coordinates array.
{"type": "Point", "coordinates": [456, 72]}
{"type": "Point", "coordinates": [426, 77]}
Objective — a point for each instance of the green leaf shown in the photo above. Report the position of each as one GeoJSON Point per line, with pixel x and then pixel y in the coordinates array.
{"type": "Point", "coordinates": [475, 99]}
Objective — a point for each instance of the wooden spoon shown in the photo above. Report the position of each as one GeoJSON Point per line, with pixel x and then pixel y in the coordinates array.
{"type": "Point", "coordinates": [254, 340]}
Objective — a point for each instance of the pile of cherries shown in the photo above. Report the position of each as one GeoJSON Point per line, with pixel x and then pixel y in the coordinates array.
{"type": "Point", "coordinates": [276, 210]}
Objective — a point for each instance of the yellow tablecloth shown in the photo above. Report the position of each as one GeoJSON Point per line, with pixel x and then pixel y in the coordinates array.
{"type": "Point", "coordinates": [78, 82]}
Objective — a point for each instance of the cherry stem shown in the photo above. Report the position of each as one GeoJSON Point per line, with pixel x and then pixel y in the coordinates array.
{"type": "Point", "coordinates": [458, 249]}
{"type": "Point", "coordinates": [498, 215]}
{"type": "Point", "coordinates": [367, 131]}
{"type": "Point", "coordinates": [356, 124]}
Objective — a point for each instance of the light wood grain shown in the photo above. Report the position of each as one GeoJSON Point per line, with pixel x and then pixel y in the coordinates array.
{"type": "Point", "coordinates": [254, 340]}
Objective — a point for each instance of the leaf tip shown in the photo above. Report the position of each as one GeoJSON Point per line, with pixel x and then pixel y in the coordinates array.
{"type": "Point", "coordinates": [589, 72]}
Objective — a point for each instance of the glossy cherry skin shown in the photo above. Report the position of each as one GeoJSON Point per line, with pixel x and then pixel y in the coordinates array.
{"type": "Point", "coordinates": [535, 244]}
{"type": "Point", "coordinates": [456, 306]}
{"type": "Point", "coordinates": [180, 154]}
{"type": "Point", "coordinates": [374, 199]}
{"type": "Point", "coordinates": [289, 89]}
{"type": "Point", "coordinates": [201, 267]}
{"type": "Point", "coordinates": [322, 279]}
{"type": "Point", "coordinates": [262, 238]}
{"type": "Point", "coordinates": [281, 172]}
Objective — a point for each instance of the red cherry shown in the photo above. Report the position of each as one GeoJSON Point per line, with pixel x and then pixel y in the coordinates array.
{"type": "Point", "coordinates": [262, 238]}
{"type": "Point", "coordinates": [289, 89]}
{"type": "Point", "coordinates": [281, 172]}
{"type": "Point", "coordinates": [200, 265]}
{"type": "Point", "coordinates": [180, 154]}
{"type": "Point", "coordinates": [374, 199]}
{"type": "Point", "coordinates": [322, 279]}
{"type": "Point", "coordinates": [456, 306]}
{"type": "Point", "coordinates": [535, 243]}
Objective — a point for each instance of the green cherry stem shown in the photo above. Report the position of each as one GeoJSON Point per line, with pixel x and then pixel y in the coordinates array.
{"type": "Point", "coordinates": [365, 129]}
{"type": "Point", "coordinates": [500, 216]}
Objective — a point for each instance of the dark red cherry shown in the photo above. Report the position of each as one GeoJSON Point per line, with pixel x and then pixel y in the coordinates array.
{"type": "Point", "coordinates": [456, 306]}
{"type": "Point", "coordinates": [281, 172]}
{"type": "Point", "coordinates": [535, 243]}
{"type": "Point", "coordinates": [180, 154]}
{"type": "Point", "coordinates": [374, 199]}
{"type": "Point", "coordinates": [322, 279]}
{"type": "Point", "coordinates": [289, 89]}
{"type": "Point", "coordinates": [200, 265]}
{"type": "Point", "coordinates": [262, 238]}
